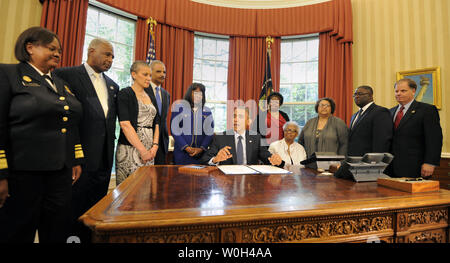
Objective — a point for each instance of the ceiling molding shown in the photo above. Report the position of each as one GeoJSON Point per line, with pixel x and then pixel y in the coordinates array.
{"type": "Point", "coordinates": [259, 4]}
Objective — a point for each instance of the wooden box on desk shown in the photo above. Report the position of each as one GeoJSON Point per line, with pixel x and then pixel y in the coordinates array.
{"type": "Point", "coordinates": [410, 185]}
{"type": "Point", "coordinates": [196, 169]}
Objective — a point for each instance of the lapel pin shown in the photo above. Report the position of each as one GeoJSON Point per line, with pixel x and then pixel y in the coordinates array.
{"type": "Point", "coordinates": [68, 90]}
{"type": "Point", "coordinates": [111, 87]}
{"type": "Point", "coordinates": [413, 111]}
{"type": "Point", "coordinates": [26, 78]}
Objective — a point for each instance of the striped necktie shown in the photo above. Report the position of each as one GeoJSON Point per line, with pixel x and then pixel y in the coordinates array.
{"type": "Point", "coordinates": [399, 117]}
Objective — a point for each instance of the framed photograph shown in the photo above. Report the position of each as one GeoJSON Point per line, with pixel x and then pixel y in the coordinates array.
{"type": "Point", "coordinates": [428, 84]}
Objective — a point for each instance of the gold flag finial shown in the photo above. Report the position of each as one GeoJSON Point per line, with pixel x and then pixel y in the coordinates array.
{"type": "Point", "coordinates": [269, 42]}
{"type": "Point", "coordinates": [152, 22]}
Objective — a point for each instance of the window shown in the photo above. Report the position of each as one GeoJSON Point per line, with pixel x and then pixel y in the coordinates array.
{"type": "Point", "coordinates": [120, 31]}
{"type": "Point", "coordinates": [211, 69]}
{"type": "Point", "coordinates": [299, 76]}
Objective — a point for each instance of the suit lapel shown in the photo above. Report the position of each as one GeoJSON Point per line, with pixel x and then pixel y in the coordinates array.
{"type": "Point", "coordinates": [363, 115]}
{"type": "Point", "coordinates": [110, 89]}
{"type": "Point", "coordinates": [91, 93]}
{"type": "Point", "coordinates": [408, 114]}
{"type": "Point", "coordinates": [351, 122]}
{"type": "Point", "coordinates": [59, 85]}
{"type": "Point", "coordinates": [393, 110]}
{"type": "Point", "coordinates": [249, 142]}
{"type": "Point", "coordinates": [232, 143]}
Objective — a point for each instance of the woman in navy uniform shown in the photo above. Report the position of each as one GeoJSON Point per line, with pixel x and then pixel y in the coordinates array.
{"type": "Point", "coordinates": [40, 153]}
{"type": "Point", "coordinates": [192, 126]}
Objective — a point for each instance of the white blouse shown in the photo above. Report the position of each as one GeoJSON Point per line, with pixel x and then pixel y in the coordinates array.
{"type": "Point", "coordinates": [297, 152]}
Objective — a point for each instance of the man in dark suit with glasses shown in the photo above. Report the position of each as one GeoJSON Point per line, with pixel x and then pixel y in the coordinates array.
{"type": "Point", "coordinates": [371, 127]}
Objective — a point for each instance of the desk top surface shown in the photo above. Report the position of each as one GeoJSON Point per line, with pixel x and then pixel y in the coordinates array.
{"type": "Point", "coordinates": [161, 196]}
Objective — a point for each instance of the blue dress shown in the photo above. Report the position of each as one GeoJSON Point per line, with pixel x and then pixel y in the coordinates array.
{"type": "Point", "coordinates": [190, 129]}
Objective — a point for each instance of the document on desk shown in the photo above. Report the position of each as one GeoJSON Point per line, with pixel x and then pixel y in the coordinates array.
{"type": "Point", "coordinates": [269, 169]}
{"type": "Point", "coordinates": [251, 169]}
{"type": "Point", "coordinates": [237, 169]}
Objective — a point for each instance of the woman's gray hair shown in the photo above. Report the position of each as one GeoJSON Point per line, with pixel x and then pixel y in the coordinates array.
{"type": "Point", "coordinates": [137, 64]}
{"type": "Point", "coordinates": [297, 127]}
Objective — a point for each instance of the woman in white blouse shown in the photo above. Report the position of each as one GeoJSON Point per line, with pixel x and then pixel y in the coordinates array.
{"type": "Point", "coordinates": [290, 151]}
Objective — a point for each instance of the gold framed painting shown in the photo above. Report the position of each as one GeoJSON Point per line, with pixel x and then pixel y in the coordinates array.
{"type": "Point", "coordinates": [428, 84]}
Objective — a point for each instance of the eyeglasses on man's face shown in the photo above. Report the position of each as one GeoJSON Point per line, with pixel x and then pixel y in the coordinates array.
{"type": "Point", "coordinates": [324, 105]}
{"type": "Point", "coordinates": [359, 94]}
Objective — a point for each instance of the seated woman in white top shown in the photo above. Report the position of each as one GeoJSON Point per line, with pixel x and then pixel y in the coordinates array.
{"type": "Point", "coordinates": [290, 151]}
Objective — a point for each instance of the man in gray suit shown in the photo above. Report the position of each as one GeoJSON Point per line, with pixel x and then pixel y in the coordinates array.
{"type": "Point", "coordinates": [237, 146]}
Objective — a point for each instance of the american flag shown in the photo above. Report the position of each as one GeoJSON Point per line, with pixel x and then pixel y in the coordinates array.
{"type": "Point", "coordinates": [151, 54]}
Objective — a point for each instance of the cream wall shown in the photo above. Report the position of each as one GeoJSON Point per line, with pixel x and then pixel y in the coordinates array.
{"type": "Point", "coordinates": [16, 16]}
{"type": "Point", "coordinates": [397, 35]}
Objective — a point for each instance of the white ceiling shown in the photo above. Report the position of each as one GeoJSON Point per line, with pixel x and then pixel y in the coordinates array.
{"type": "Point", "coordinates": [259, 4]}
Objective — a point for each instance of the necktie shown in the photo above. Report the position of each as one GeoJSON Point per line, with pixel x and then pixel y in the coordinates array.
{"type": "Point", "coordinates": [399, 117]}
{"type": "Point", "coordinates": [357, 117]}
{"type": "Point", "coordinates": [50, 81]}
{"type": "Point", "coordinates": [49, 78]}
{"type": "Point", "coordinates": [240, 151]}
{"type": "Point", "coordinates": [158, 100]}
{"type": "Point", "coordinates": [101, 93]}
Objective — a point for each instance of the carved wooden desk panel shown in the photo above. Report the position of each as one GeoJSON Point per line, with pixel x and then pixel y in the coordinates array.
{"type": "Point", "coordinates": [158, 204]}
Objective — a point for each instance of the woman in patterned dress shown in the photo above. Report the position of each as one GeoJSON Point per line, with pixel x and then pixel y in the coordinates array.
{"type": "Point", "coordinates": [139, 123]}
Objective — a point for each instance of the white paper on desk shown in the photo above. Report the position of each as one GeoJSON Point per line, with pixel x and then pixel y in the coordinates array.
{"type": "Point", "coordinates": [269, 169]}
{"type": "Point", "coordinates": [236, 169]}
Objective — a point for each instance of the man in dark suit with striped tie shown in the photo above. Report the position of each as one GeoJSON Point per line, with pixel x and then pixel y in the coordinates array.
{"type": "Point", "coordinates": [370, 127]}
{"type": "Point", "coordinates": [417, 142]}
{"type": "Point", "coordinates": [97, 93]}
{"type": "Point", "coordinates": [161, 100]}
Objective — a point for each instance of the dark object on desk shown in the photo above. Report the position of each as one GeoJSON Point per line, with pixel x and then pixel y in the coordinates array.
{"type": "Point", "coordinates": [322, 160]}
{"type": "Point", "coordinates": [368, 168]}
{"type": "Point", "coordinates": [196, 169]}
{"type": "Point", "coordinates": [410, 185]}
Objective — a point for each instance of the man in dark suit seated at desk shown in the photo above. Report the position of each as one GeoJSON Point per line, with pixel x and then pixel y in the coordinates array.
{"type": "Point", "coordinates": [371, 127]}
{"type": "Point", "coordinates": [417, 140]}
{"type": "Point", "coordinates": [237, 146]}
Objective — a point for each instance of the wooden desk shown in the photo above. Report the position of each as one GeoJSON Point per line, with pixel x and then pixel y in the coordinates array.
{"type": "Point", "coordinates": [157, 204]}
